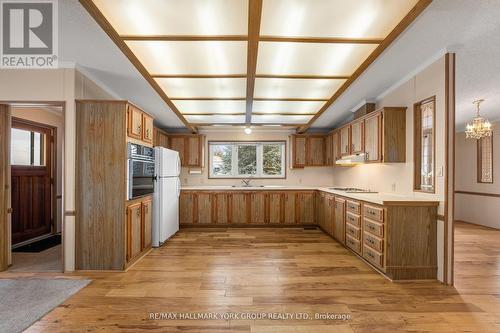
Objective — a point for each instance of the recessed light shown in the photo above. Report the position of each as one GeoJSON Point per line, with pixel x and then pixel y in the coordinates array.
{"type": "Point", "coordinates": [248, 130]}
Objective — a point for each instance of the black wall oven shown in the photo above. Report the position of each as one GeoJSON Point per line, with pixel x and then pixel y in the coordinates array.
{"type": "Point", "coordinates": [141, 167]}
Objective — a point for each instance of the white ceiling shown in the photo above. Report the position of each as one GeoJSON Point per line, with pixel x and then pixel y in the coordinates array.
{"type": "Point", "coordinates": [469, 27]}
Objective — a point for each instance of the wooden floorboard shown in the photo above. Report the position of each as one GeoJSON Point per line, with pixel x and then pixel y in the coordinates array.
{"type": "Point", "coordinates": [282, 271]}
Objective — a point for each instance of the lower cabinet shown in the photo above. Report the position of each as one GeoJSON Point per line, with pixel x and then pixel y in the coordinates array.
{"type": "Point", "coordinates": [138, 231]}
{"type": "Point", "coordinates": [247, 207]}
{"type": "Point", "coordinates": [339, 220]}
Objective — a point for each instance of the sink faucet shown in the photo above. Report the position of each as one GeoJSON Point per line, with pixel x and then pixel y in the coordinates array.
{"type": "Point", "coordinates": [246, 181]}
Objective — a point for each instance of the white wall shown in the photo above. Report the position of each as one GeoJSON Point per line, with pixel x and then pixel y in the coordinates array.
{"type": "Point", "coordinates": [56, 119]}
{"type": "Point", "coordinates": [313, 176]}
{"type": "Point", "coordinates": [482, 210]}
{"type": "Point", "coordinates": [397, 178]}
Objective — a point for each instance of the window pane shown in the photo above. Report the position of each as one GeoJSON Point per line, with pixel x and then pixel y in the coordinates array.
{"type": "Point", "coordinates": [37, 148]}
{"type": "Point", "coordinates": [247, 159]}
{"type": "Point", "coordinates": [427, 135]}
{"type": "Point", "coordinates": [271, 159]}
{"type": "Point", "coordinates": [221, 160]}
{"type": "Point", "coordinates": [20, 151]}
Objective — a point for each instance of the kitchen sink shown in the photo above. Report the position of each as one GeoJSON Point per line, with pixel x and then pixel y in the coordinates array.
{"type": "Point", "coordinates": [352, 190]}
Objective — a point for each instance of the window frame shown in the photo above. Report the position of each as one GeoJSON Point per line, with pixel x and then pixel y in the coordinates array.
{"type": "Point", "coordinates": [480, 161]}
{"type": "Point", "coordinates": [417, 145]}
{"type": "Point", "coordinates": [234, 159]}
{"type": "Point", "coordinates": [46, 141]}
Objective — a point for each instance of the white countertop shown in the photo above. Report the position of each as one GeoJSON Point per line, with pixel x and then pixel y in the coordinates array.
{"type": "Point", "coordinates": [377, 198]}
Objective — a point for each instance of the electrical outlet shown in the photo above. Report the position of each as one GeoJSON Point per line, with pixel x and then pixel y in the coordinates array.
{"type": "Point", "coordinates": [393, 187]}
{"type": "Point", "coordinates": [440, 171]}
{"type": "Point", "coordinates": [300, 180]}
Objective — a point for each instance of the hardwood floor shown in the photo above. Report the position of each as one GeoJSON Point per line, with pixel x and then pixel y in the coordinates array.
{"type": "Point", "coordinates": [282, 271]}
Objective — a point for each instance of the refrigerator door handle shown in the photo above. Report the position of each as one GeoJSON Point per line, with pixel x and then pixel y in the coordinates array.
{"type": "Point", "coordinates": [178, 165]}
{"type": "Point", "coordinates": [178, 187]}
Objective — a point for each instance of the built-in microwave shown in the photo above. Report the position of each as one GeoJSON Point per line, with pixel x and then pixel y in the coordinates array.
{"type": "Point", "coordinates": [140, 171]}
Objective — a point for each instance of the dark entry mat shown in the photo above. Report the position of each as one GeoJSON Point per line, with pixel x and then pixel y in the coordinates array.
{"type": "Point", "coordinates": [40, 245]}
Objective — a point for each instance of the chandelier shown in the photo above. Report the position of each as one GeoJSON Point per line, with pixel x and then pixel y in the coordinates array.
{"type": "Point", "coordinates": [479, 127]}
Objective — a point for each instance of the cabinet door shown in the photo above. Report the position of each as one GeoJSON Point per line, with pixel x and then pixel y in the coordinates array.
{"type": "Point", "coordinates": [177, 143]}
{"type": "Point", "coordinates": [329, 214]}
{"type": "Point", "coordinates": [345, 140]}
{"type": "Point", "coordinates": [373, 138]}
{"type": "Point", "coordinates": [147, 220]}
{"type": "Point", "coordinates": [134, 122]}
{"type": "Point", "coordinates": [238, 208]}
{"type": "Point", "coordinates": [306, 208]}
{"type": "Point", "coordinates": [204, 208]}
{"type": "Point", "coordinates": [258, 207]}
{"type": "Point", "coordinates": [186, 208]}
{"type": "Point", "coordinates": [290, 208]}
{"type": "Point", "coordinates": [147, 128]}
{"type": "Point", "coordinates": [194, 144]}
{"type": "Point", "coordinates": [321, 210]}
{"type": "Point", "coordinates": [221, 208]}
{"type": "Point", "coordinates": [298, 151]}
{"type": "Point", "coordinates": [335, 147]}
{"type": "Point", "coordinates": [134, 227]}
{"type": "Point", "coordinates": [275, 204]}
{"type": "Point", "coordinates": [339, 225]}
{"type": "Point", "coordinates": [315, 151]}
{"type": "Point", "coordinates": [328, 150]}
{"type": "Point", "coordinates": [357, 137]}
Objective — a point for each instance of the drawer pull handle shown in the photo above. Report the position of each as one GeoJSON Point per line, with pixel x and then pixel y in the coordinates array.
{"type": "Point", "coordinates": [371, 255]}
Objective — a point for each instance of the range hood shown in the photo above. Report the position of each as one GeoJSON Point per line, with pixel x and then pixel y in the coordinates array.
{"type": "Point", "coordinates": [350, 160]}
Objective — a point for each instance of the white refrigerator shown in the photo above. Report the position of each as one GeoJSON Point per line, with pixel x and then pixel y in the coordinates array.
{"type": "Point", "coordinates": [166, 195]}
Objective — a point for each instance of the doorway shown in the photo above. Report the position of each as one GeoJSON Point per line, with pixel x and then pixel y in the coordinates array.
{"type": "Point", "coordinates": [35, 189]}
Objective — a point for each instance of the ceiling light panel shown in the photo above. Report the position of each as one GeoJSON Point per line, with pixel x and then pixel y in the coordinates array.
{"type": "Point", "coordinates": [212, 87]}
{"type": "Point", "coordinates": [296, 88]}
{"type": "Point", "coordinates": [280, 119]}
{"type": "Point", "coordinates": [276, 107]}
{"type": "Point", "coordinates": [216, 119]}
{"type": "Point", "coordinates": [175, 17]}
{"type": "Point", "coordinates": [204, 107]}
{"type": "Point", "coordinates": [193, 57]}
{"type": "Point", "coordinates": [311, 58]}
{"type": "Point", "coordinates": [333, 18]}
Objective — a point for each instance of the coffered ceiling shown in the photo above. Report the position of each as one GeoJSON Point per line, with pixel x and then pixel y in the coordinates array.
{"type": "Point", "coordinates": [252, 62]}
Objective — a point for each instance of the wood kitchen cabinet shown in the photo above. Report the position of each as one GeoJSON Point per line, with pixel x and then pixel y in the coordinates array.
{"type": "Point", "coordinates": [357, 143]}
{"type": "Point", "coordinates": [335, 146]}
{"type": "Point", "coordinates": [329, 160]}
{"type": "Point", "coordinates": [275, 203]}
{"type": "Point", "coordinates": [221, 206]}
{"type": "Point", "coordinates": [308, 150]}
{"type": "Point", "coordinates": [239, 208]}
{"type": "Point", "coordinates": [315, 150]}
{"type": "Point", "coordinates": [186, 208]}
{"type": "Point", "coordinates": [345, 140]}
{"type": "Point", "coordinates": [139, 125]}
{"type": "Point", "coordinates": [147, 223]}
{"type": "Point", "coordinates": [372, 137]}
{"type": "Point", "coordinates": [258, 207]}
{"type": "Point", "coordinates": [160, 138]}
{"type": "Point", "coordinates": [290, 207]}
{"type": "Point", "coordinates": [138, 231]}
{"type": "Point", "coordinates": [111, 232]}
{"type": "Point", "coordinates": [191, 149]}
{"type": "Point", "coordinates": [339, 220]}
{"type": "Point", "coordinates": [203, 208]}
{"type": "Point", "coordinates": [306, 207]}
{"type": "Point", "coordinates": [298, 151]}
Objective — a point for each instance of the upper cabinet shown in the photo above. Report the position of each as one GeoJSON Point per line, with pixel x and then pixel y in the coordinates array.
{"type": "Point", "coordinates": [357, 144]}
{"type": "Point", "coordinates": [191, 148]}
{"type": "Point", "coordinates": [139, 125]}
{"type": "Point", "coordinates": [372, 139]}
{"type": "Point", "coordinates": [345, 140]}
{"type": "Point", "coordinates": [308, 150]}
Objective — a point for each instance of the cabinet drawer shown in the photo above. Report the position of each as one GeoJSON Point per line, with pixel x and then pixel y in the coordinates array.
{"type": "Point", "coordinates": [373, 256]}
{"type": "Point", "coordinates": [353, 231]}
{"type": "Point", "coordinates": [353, 244]}
{"type": "Point", "coordinates": [373, 227]}
{"type": "Point", "coordinates": [372, 241]}
{"type": "Point", "coordinates": [353, 207]}
{"type": "Point", "coordinates": [374, 213]}
{"type": "Point", "coordinates": [353, 219]}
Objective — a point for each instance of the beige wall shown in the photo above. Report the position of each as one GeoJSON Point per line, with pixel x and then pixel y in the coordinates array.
{"type": "Point", "coordinates": [55, 85]}
{"type": "Point", "coordinates": [56, 119]}
{"type": "Point", "coordinates": [314, 176]}
{"type": "Point", "coordinates": [481, 210]}
{"type": "Point", "coordinates": [397, 178]}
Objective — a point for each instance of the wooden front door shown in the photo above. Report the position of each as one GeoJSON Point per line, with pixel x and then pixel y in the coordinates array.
{"type": "Point", "coordinates": [31, 179]}
{"type": "Point", "coordinates": [4, 184]}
